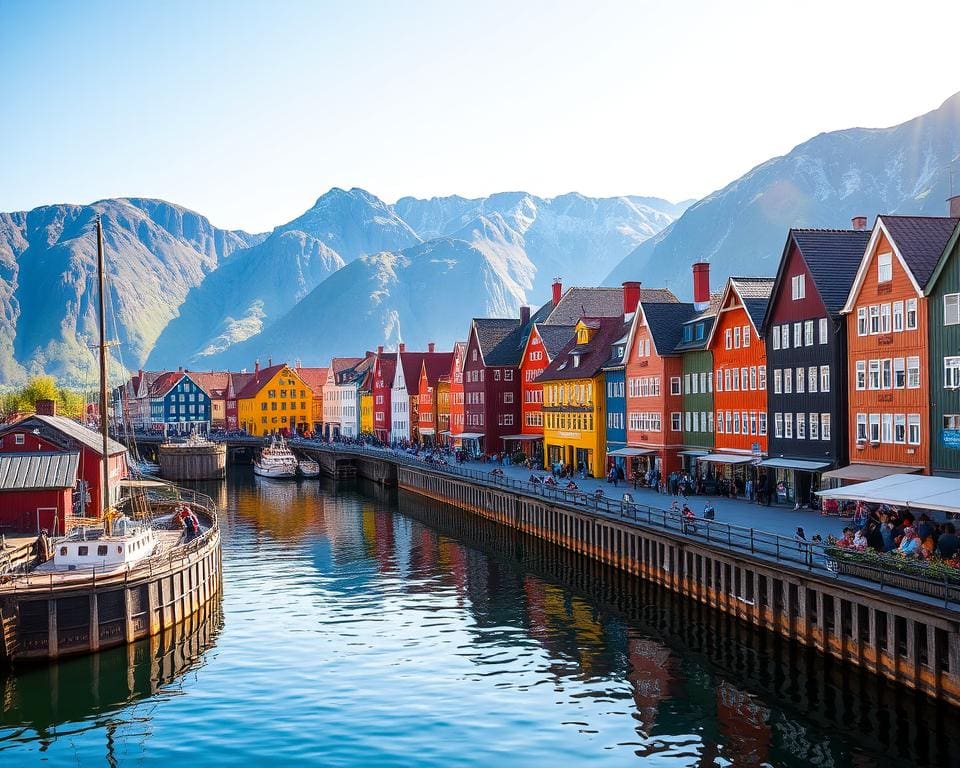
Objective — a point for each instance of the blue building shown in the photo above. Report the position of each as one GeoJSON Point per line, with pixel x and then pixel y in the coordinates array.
{"type": "Point", "coordinates": [178, 405]}
{"type": "Point", "coordinates": [615, 390]}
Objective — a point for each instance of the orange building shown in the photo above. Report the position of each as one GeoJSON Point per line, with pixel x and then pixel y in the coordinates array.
{"type": "Point", "coordinates": [457, 410]}
{"type": "Point", "coordinates": [543, 344]}
{"type": "Point", "coordinates": [888, 348]}
{"type": "Point", "coordinates": [432, 368]}
{"type": "Point", "coordinates": [739, 378]}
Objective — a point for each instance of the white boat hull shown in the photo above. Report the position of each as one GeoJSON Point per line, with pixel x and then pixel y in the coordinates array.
{"type": "Point", "coordinates": [274, 471]}
{"type": "Point", "coordinates": [308, 469]}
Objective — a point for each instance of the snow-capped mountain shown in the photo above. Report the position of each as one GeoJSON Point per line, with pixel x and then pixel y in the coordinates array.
{"type": "Point", "coordinates": [823, 182]}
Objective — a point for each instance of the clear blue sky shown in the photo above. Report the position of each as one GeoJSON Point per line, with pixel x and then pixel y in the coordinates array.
{"type": "Point", "coordinates": [247, 112]}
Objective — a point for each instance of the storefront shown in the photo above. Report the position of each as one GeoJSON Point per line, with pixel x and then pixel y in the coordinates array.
{"type": "Point", "coordinates": [863, 473]}
{"type": "Point", "coordinates": [721, 473]}
{"type": "Point", "coordinates": [633, 462]}
{"type": "Point", "coordinates": [793, 481]}
{"type": "Point", "coordinates": [530, 445]}
{"type": "Point", "coordinates": [688, 459]}
{"type": "Point", "coordinates": [471, 442]}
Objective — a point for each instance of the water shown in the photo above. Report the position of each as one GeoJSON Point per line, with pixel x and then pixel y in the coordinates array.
{"type": "Point", "coordinates": [364, 627]}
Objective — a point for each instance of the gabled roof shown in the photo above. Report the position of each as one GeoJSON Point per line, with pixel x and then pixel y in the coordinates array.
{"type": "Point", "coordinates": [459, 352]}
{"type": "Point", "coordinates": [554, 338]}
{"type": "Point", "coordinates": [240, 380]}
{"type": "Point", "coordinates": [510, 350]}
{"type": "Point", "coordinates": [258, 380]}
{"type": "Point", "coordinates": [753, 293]}
{"type": "Point", "coordinates": [350, 369]}
{"type": "Point", "coordinates": [214, 383]}
{"type": "Point", "coordinates": [341, 364]}
{"type": "Point", "coordinates": [616, 362]}
{"type": "Point", "coordinates": [436, 365]}
{"type": "Point", "coordinates": [37, 471]}
{"type": "Point", "coordinates": [598, 302]}
{"type": "Point", "coordinates": [413, 362]}
{"type": "Point", "coordinates": [164, 382]}
{"type": "Point", "coordinates": [491, 331]}
{"type": "Point", "coordinates": [313, 377]}
{"type": "Point", "coordinates": [708, 317]}
{"type": "Point", "coordinates": [69, 429]}
{"type": "Point", "coordinates": [593, 356]}
{"type": "Point", "coordinates": [665, 323]}
{"type": "Point", "coordinates": [832, 256]}
{"type": "Point", "coordinates": [388, 367]}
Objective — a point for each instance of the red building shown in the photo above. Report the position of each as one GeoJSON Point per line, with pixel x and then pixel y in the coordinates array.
{"type": "Point", "coordinates": [36, 490]}
{"type": "Point", "coordinates": [384, 369]}
{"type": "Point", "coordinates": [543, 344]}
{"type": "Point", "coordinates": [53, 434]}
{"type": "Point", "coordinates": [457, 413]}
{"type": "Point", "coordinates": [433, 366]}
{"type": "Point", "coordinates": [740, 377]}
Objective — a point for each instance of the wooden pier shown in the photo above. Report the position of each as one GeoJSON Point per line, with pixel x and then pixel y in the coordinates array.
{"type": "Point", "coordinates": [183, 461]}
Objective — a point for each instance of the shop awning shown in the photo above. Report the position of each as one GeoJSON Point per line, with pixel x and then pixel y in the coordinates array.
{"type": "Point", "coordinates": [522, 437]}
{"type": "Point", "coordinates": [805, 466]}
{"type": "Point", "coordinates": [426, 431]}
{"type": "Point", "coordinates": [469, 435]}
{"type": "Point", "coordinates": [862, 473]}
{"type": "Point", "coordinates": [693, 452]}
{"type": "Point", "coordinates": [904, 490]}
{"type": "Point", "coordinates": [445, 432]}
{"type": "Point", "coordinates": [631, 452]}
{"type": "Point", "coordinates": [726, 458]}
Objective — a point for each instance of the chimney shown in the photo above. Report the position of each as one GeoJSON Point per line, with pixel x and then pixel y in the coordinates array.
{"type": "Point", "coordinates": [701, 285]}
{"type": "Point", "coordinates": [859, 223]}
{"type": "Point", "coordinates": [631, 297]}
{"type": "Point", "coordinates": [296, 363]}
{"type": "Point", "coordinates": [953, 204]}
{"type": "Point", "coordinates": [269, 362]}
{"type": "Point", "coordinates": [46, 407]}
{"type": "Point", "coordinates": [524, 315]}
{"type": "Point", "coordinates": [401, 347]}
{"type": "Point", "coordinates": [431, 347]}
{"type": "Point", "coordinates": [380, 350]}
{"type": "Point", "coordinates": [140, 373]}
{"type": "Point", "coordinates": [557, 290]}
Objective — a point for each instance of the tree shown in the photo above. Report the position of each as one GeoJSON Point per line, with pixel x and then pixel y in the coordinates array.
{"type": "Point", "coordinates": [69, 402]}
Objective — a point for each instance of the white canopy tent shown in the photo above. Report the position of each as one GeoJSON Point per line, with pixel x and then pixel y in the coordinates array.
{"type": "Point", "coordinates": [903, 490]}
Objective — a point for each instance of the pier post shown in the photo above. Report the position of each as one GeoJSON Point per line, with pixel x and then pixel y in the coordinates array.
{"type": "Point", "coordinates": [94, 622]}
{"type": "Point", "coordinates": [53, 642]}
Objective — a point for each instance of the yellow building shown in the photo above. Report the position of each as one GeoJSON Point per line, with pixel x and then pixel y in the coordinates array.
{"type": "Point", "coordinates": [366, 412]}
{"type": "Point", "coordinates": [574, 397]}
{"type": "Point", "coordinates": [274, 400]}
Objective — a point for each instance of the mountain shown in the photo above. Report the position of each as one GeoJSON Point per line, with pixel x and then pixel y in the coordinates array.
{"type": "Point", "coordinates": [424, 293]}
{"type": "Point", "coordinates": [823, 182]}
{"type": "Point", "coordinates": [155, 253]}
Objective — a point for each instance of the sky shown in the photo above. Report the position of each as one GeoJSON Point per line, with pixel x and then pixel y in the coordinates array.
{"type": "Point", "coordinates": [249, 111]}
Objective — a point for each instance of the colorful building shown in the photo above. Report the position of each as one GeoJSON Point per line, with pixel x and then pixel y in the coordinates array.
{"type": "Point", "coordinates": [806, 345]}
{"type": "Point", "coordinates": [458, 417]}
{"type": "Point", "coordinates": [275, 400]}
{"type": "Point", "coordinates": [740, 381]}
{"type": "Point", "coordinates": [943, 306]}
{"type": "Point", "coordinates": [888, 350]}
{"type": "Point", "coordinates": [574, 403]}
{"type": "Point", "coordinates": [316, 380]}
{"type": "Point", "coordinates": [489, 399]}
{"type": "Point", "coordinates": [340, 415]}
{"type": "Point", "coordinates": [37, 490]}
{"type": "Point", "coordinates": [543, 344]}
{"type": "Point", "coordinates": [433, 367]}
{"type": "Point", "coordinates": [178, 405]}
{"type": "Point", "coordinates": [614, 382]}
{"type": "Point", "coordinates": [384, 369]}
{"type": "Point", "coordinates": [215, 384]}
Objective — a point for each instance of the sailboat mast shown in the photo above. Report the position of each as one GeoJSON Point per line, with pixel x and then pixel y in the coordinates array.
{"type": "Point", "coordinates": [105, 495]}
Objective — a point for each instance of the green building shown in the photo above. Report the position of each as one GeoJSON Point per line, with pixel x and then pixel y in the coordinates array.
{"type": "Point", "coordinates": [697, 385]}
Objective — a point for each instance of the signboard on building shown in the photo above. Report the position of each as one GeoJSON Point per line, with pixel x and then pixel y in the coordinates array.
{"type": "Point", "coordinates": [951, 438]}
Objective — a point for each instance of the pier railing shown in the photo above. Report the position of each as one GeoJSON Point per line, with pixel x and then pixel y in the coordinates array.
{"type": "Point", "coordinates": [812, 556]}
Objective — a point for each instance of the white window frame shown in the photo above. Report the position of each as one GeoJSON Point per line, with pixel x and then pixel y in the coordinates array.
{"type": "Point", "coordinates": [951, 309]}
{"type": "Point", "coordinates": [861, 321]}
{"type": "Point", "coordinates": [911, 311]}
{"type": "Point", "coordinates": [885, 267]}
{"type": "Point", "coordinates": [951, 372]}
{"type": "Point", "coordinates": [798, 287]}
{"type": "Point", "coordinates": [824, 426]}
{"type": "Point", "coordinates": [824, 331]}
{"type": "Point", "coordinates": [808, 333]}
{"type": "Point", "coordinates": [913, 373]}
{"type": "Point", "coordinates": [825, 378]}
{"type": "Point", "coordinates": [897, 316]}
{"type": "Point", "coordinates": [913, 423]}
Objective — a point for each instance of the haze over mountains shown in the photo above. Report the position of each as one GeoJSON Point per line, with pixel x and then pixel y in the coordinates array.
{"type": "Point", "coordinates": [353, 272]}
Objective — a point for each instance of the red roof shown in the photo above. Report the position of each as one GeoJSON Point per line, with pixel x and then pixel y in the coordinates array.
{"type": "Point", "coordinates": [214, 383]}
{"type": "Point", "coordinates": [165, 382]}
{"type": "Point", "coordinates": [258, 380]}
{"type": "Point", "coordinates": [437, 365]}
{"type": "Point", "coordinates": [388, 368]}
{"type": "Point", "coordinates": [314, 378]}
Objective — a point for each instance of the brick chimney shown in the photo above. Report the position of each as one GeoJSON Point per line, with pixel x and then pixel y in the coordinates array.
{"type": "Point", "coordinates": [557, 290]}
{"type": "Point", "coordinates": [524, 315]}
{"type": "Point", "coordinates": [380, 350]}
{"type": "Point", "coordinates": [631, 297]}
{"type": "Point", "coordinates": [46, 407]}
{"type": "Point", "coordinates": [431, 347]}
{"type": "Point", "coordinates": [701, 285]}
{"type": "Point", "coordinates": [859, 223]}
{"type": "Point", "coordinates": [256, 367]}
{"type": "Point", "coordinates": [953, 206]}
{"type": "Point", "coordinates": [401, 347]}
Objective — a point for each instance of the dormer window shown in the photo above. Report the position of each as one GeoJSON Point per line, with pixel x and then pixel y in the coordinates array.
{"type": "Point", "coordinates": [576, 361]}
{"type": "Point", "coordinates": [687, 333]}
{"type": "Point", "coordinates": [620, 353]}
{"type": "Point", "coordinates": [700, 331]}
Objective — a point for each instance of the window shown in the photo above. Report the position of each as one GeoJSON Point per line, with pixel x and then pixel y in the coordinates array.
{"type": "Point", "coordinates": [696, 421]}
{"type": "Point", "coordinates": [674, 385]}
{"type": "Point", "coordinates": [951, 372]}
{"type": "Point", "coordinates": [814, 426]}
{"type": "Point", "coordinates": [777, 381]}
{"type": "Point", "coordinates": [720, 422]}
{"type": "Point", "coordinates": [675, 421]}
{"type": "Point", "coordinates": [798, 285]}
{"type": "Point", "coordinates": [808, 333]}
{"type": "Point", "coordinates": [785, 335]}
{"type": "Point", "coordinates": [736, 337]}
{"type": "Point", "coordinates": [861, 321]}
{"type": "Point", "coordinates": [763, 422]}
{"type": "Point", "coordinates": [736, 379]}
{"type": "Point", "coordinates": [886, 428]}
{"type": "Point", "coordinates": [884, 267]}
{"type": "Point", "coordinates": [898, 316]}
{"type": "Point", "coordinates": [686, 383]}
{"type": "Point", "coordinates": [728, 420]}
{"type": "Point", "coordinates": [884, 318]}
{"type": "Point", "coordinates": [704, 379]}
{"type": "Point", "coordinates": [726, 379]}
{"type": "Point", "coordinates": [776, 337]}
{"type": "Point", "coordinates": [788, 381]}
{"type": "Point", "coordinates": [710, 422]}
{"type": "Point", "coordinates": [801, 426]}
{"type": "Point", "coordinates": [861, 427]}
{"type": "Point", "coordinates": [508, 374]}
{"type": "Point", "coordinates": [874, 375]}
{"type": "Point", "coordinates": [824, 379]}
{"type": "Point", "coordinates": [719, 381]}
{"type": "Point", "coordinates": [824, 334]}
{"type": "Point", "coordinates": [18, 439]}
{"type": "Point", "coordinates": [812, 379]}
{"type": "Point", "coordinates": [788, 426]}
{"type": "Point", "coordinates": [887, 374]}
{"type": "Point", "coordinates": [746, 335]}
{"type": "Point", "coordinates": [913, 373]}
{"type": "Point", "coordinates": [797, 335]}
{"type": "Point", "coordinates": [753, 377]}
{"type": "Point", "coordinates": [508, 397]}
{"type": "Point", "coordinates": [899, 428]}
{"type": "Point", "coordinates": [874, 427]}
{"type": "Point", "coordinates": [694, 384]}
{"type": "Point", "coordinates": [728, 339]}
{"type": "Point", "coordinates": [899, 373]}
{"type": "Point", "coordinates": [801, 381]}
{"type": "Point", "coordinates": [762, 378]}
{"type": "Point", "coordinates": [951, 309]}
{"type": "Point", "coordinates": [911, 314]}
{"type": "Point", "coordinates": [736, 422]}
{"type": "Point", "coordinates": [753, 422]}
{"type": "Point", "coordinates": [874, 319]}
{"type": "Point", "coordinates": [824, 426]}
{"type": "Point", "coordinates": [700, 331]}
{"type": "Point", "coordinates": [913, 429]}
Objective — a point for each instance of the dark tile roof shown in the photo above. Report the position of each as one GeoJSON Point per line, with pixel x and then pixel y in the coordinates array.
{"type": "Point", "coordinates": [68, 428]}
{"type": "Point", "coordinates": [510, 350]}
{"type": "Point", "coordinates": [665, 322]}
{"type": "Point", "coordinates": [491, 331]}
{"type": "Point", "coordinates": [33, 471]}
{"type": "Point", "coordinates": [598, 302]}
{"type": "Point", "coordinates": [615, 362]}
{"type": "Point", "coordinates": [833, 257]}
{"type": "Point", "coordinates": [920, 240]}
{"type": "Point", "coordinates": [593, 356]}
{"type": "Point", "coordinates": [554, 337]}
{"type": "Point", "coordinates": [707, 316]}
{"type": "Point", "coordinates": [755, 292]}
{"type": "Point", "coordinates": [436, 365]}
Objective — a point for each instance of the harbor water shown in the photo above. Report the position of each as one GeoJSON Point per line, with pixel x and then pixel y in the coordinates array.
{"type": "Point", "coordinates": [361, 626]}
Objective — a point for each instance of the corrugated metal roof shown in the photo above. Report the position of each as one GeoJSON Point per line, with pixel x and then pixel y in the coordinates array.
{"type": "Point", "coordinates": [35, 471]}
{"type": "Point", "coordinates": [69, 428]}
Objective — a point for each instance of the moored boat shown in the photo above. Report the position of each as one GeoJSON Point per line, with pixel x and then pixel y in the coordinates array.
{"type": "Point", "coordinates": [308, 468]}
{"type": "Point", "coordinates": [276, 460]}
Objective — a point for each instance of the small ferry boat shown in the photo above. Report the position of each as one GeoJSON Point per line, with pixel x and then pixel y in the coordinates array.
{"type": "Point", "coordinates": [121, 545]}
{"type": "Point", "coordinates": [308, 468]}
{"type": "Point", "coordinates": [276, 460]}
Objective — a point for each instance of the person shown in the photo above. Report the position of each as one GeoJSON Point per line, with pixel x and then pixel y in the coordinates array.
{"type": "Point", "coordinates": [688, 518]}
{"type": "Point", "coordinates": [860, 541]}
{"type": "Point", "coordinates": [192, 524]}
{"type": "Point", "coordinates": [801, 538]}
{"type": "Point", "coordinates": [42, 546]}
{"type": "Point", "coordinates": [846, 541]}
{"type": "Point", "coordinates": [910, 544]}
{"type": "Point", "coordinates": [750, 490]}
{"type": "Point", "coordinates": [709, 513]}
{"type": "Point", "coordinates": [948, 543]}
{"type": "Point", "coordinates": [571, 486]}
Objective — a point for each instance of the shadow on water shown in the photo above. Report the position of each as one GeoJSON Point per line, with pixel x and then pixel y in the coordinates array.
{"type": "Point", "coordinates": [48, 701]}
{"type": "Point", "coordinates": [692, 669]}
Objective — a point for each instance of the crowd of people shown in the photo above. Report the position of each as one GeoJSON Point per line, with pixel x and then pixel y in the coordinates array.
{"type": "Point", "coordinates": [888, 530]}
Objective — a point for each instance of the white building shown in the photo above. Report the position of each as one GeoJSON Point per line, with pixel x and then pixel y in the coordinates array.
{"type": "Point", "coordinates": [341, 403]}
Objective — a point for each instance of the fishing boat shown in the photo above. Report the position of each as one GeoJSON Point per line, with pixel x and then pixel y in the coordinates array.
{"type": "Point", "coordinates": [276, 460]}
{"type": "Point", "coordinates": [308, 468]}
